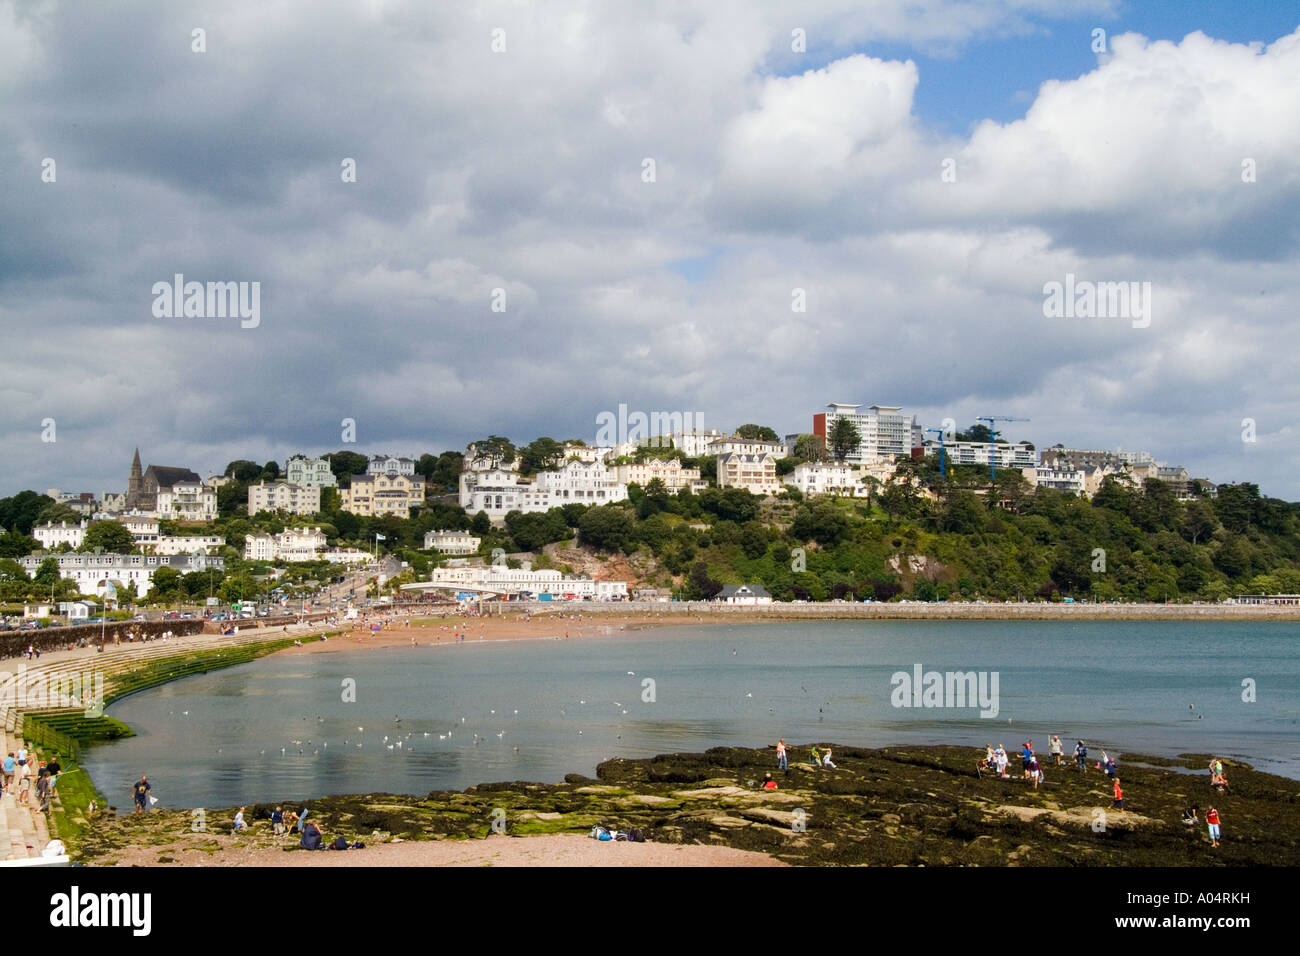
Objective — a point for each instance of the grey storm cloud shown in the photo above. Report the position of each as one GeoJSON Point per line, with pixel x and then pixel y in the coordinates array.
{"type": "Point", "coordinates": [522, 170]}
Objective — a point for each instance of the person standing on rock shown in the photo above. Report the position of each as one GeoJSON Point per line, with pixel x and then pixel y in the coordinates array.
{"type": "Point", "coordinates": [781, 762]}
{"type": "Point", "coordinates": [1081, 756]}
{"type": "Point", "coordinates": [1054, 748]}
{"type": "Point", "coordinates": [140, 793]}
{"type": "Point", "coordinates": [1212, 821]}
{"type": "Point", "coordinates": [1119, 796]}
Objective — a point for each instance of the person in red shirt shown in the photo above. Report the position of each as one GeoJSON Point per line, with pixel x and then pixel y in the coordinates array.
{"type": "Point", "coordinates": [1119, 796]}
{"type": "Point", "coordinates": [769, 783]}
{"type": "Point", "coordinates": [1212, 820]}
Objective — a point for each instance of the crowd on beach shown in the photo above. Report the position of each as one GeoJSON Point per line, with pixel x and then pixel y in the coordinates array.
{"type": "Point", "coordinates": [18, 774]}
{"type": "Point", "coordinates": [995, 761]}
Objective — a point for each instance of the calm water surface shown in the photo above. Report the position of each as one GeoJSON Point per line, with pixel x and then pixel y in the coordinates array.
{"type": "Point", "coordinates": [279, 729]}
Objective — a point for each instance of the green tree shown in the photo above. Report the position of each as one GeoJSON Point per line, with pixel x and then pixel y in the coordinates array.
{"type": "Point", "coordinates": [243, 470]}
{"type": "Point", "coordinates": [344, 464]}
{"type": "Point", "coordinates": [20, 512]}
{"type": "Point", "coordinates": [480, 524]}
{"type": "Point", "coordinates": [539, 455]}
{"type": "Point", "coordinates": [496, 449]}
{"type": "Point", "coordinates": [756, 433]}
{"type": "Point", "coordinates": [810, 447]}
{"type": "Point", "coordinates": [15, 544]}
{"type": "Point", "coordinates": [607, 528]}
{"type": "Point", "coordinates": [700, 586]}
{"type": "Point", "coordinates": [109, 537]}
{"type": "Point", "coordinates": [844, 439]}
{"type": "Point", "coordinates": [47, 573]}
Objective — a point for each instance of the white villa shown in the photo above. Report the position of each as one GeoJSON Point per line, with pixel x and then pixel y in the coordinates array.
{"type": "Point", "coordinates": [827, 478]}
{"type": "Point", "coordinates": [290, 545]}
{"type": "Point", "coordinates": [51, 535]}
{"type": "Point", "coordinates": [310, 472]}
{"type": "Point", "coordinates": [452, 542]}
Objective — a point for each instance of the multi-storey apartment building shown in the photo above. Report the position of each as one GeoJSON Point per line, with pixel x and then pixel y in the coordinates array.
{"type": "Point", "coordinates": [1021, 455]}
{"type": "Point", "coordinates": [283, 496]}
{"type": "Point", "coordinates": [187, 501]}
{"type": "Point", "coordinates": [497, 491]}
{"type": "Point", "coordinates": [667, 470]}
{"type": "Point", "coordinates": [887, 434]}
{"type": "Point", "coordinates": [383, 494]}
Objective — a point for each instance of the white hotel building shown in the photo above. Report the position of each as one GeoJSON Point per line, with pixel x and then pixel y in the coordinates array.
{"type": "Point", "coordinates": [503, 581]}
{"type": "Point", "coordinates": [497, 491]}
{"type": "Point", "coordinates": [131, 573]}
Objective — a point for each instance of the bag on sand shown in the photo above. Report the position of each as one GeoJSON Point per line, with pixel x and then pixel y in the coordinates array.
{"type": "Point", "coordinates": [636, 835]}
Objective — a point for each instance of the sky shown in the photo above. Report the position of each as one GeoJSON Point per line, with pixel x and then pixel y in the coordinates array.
{"type": "Point", "coordinates": [740, 211]}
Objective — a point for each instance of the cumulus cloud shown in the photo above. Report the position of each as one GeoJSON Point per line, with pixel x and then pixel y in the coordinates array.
{"type": "Point", "coordinates": [524, 170]}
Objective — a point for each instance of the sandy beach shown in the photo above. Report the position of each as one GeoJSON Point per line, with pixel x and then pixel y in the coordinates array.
{"type": "Point", "coordinates": [421, 630]}
{"type": "Point", "coordinates": [558, 849]}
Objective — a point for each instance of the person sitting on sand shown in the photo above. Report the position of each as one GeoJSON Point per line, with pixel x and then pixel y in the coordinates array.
{"type": "Point", "coordinates": [769, 783]}
{"type": "Point", "coordinates": [239, 822]}
{"type": "Point", "coordinates": [826, 759]}
{"type": "Point", "coordinates": [1189, 816]}
{"type": "Point", "coordinates": [815, 757]}
{"type": "Point", "coordinates": [311, 838]}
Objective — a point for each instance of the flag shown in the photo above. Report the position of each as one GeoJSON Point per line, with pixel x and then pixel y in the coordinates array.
{"type": "Point", "coordinates": [380, 537]}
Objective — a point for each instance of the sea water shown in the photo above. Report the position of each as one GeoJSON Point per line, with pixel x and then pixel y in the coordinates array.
{"type": "Point", "coordinates": [413, 720]}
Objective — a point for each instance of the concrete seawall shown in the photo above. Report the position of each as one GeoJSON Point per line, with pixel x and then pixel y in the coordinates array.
{"type": "Point", "coordinates": [918, 612]}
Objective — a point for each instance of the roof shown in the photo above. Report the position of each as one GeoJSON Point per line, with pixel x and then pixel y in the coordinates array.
{"type": "Point", "coordinates": [166, 475]}
{"type": "Point", "coordinates": [748, 590]}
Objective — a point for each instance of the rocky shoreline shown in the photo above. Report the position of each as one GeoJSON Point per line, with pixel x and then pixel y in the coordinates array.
{"type": "Point", "coordinates": [897, 806]}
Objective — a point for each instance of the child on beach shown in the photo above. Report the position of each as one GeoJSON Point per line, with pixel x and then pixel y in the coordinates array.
{"type": "Point", "coordinates": [1119, 796]}
{"type": "Point", "coordinates": [815, 757]}
{"type": "Point", "coordinates": [1212, 820]}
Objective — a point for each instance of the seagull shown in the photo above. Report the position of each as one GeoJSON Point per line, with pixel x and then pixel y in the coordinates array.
{"type": "Point", "coordinates": [500, 735]}
{"type": "Point", "coordinates": [631, 674]}
{"type": "Point", "coordinates": [749, 695]}
{"type": "Point", "coordinates": [581, 702]}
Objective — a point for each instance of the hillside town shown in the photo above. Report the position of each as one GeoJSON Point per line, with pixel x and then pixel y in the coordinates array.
{"type": "Point", "coordinates": [467, 515]}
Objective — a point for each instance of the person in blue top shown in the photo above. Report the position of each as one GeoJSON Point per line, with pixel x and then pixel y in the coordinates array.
{"type": "Point", "coordinates": [10, 765]}
{"type": "Point", "coordinates": [1081, 756]}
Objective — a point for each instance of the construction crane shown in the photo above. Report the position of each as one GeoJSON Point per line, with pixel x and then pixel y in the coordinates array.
{"type": "Point", "coordinates": [993, 438]}
{"type": "Point", "coordinates": [943, 463]}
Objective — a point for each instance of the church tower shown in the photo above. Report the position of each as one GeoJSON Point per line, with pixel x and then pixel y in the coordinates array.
{"type": "Point", "coordinates": [133, 483]}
